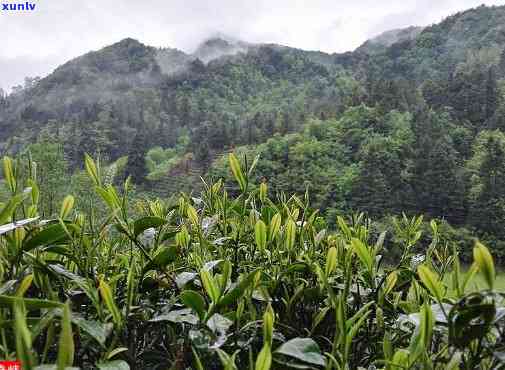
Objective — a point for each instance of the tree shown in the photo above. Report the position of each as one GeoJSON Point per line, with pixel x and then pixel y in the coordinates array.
{"type": "Point", "coordinates": [51, 169]}
{"type": "Point", "coordinates": [502, 63]}
{"type": "Point", "coordinates": [491, 94]}
{"type": "Point", "coordinates": [437, 176]}
{"type": "Point", "coordinates": [286, 123]}
{"type": "Point", "coordinates": [136, 166]}
{"type": "Point", "coordinates": [488, 183]}
{"type": "Point", "coordinates": [442, 194]}
{"type": "Point", "coordinates": [3, 99]}
{"type": "Point", "coordinates": [380, 188]}
{"type": "Point", "coordinates": [435, 93]}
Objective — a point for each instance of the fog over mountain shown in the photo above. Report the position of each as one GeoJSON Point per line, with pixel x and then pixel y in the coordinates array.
{"type": "Point", "coordinates": [59, 31]}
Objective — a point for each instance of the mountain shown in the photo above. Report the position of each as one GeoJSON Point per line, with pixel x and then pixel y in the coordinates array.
{"type": "Point", "coordinates": [440, 49]}
{"type": "Point", "coordinates": [388, 38]}
{"type": "Point", "coordinates": [218, 47]}
{"type": "Point", "coordinates": [408, 98]}
{"type": "Point", "coordinates": [226, 81]}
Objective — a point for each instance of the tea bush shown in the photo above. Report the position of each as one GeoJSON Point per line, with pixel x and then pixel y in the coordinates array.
{"type": "Point", "coordinates": [252, 281]}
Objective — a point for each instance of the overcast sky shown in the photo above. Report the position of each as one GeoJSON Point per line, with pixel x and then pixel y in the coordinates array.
{"type": "Point", "coordinates": [34, 43]}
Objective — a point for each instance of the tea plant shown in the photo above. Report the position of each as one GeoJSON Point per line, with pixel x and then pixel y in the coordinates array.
{"type": "Point", "coordinates": [233, 279]}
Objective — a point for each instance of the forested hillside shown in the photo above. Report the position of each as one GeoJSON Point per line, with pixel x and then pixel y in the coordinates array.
{"type": "Point", "coordinates": [412, 121]}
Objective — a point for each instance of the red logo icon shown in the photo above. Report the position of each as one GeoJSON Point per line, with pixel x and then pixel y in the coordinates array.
{"type": "Point", "coordinates": [10, 365]}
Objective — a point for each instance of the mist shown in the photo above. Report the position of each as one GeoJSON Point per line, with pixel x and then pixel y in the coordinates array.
{"type": "Point", "coordinates": [60, 30]}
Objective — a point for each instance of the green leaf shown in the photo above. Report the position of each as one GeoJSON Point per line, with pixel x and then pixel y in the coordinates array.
{"type": "Point", "coordinates": [163, 257]}
{"type": "Point", "coordinates": [66, 343]}
{"type": "Point", "coordinates": [363, 253]}
{"type": "Point", "coordinates": [52, 234]}
{"type": "Point", "coordinates": [264, 359]}
{"type": "Point", "coordinates": [219, 324]}
{"type": "Point", "coordinates": [197, 362]}
{"type": "Point", "coordinates": [303, 349]}
{"type": "Point", "coordinates": [8, 173]}
{"type": "Point", "coordinates": [113, 365]}
{"type": "Point", "coordinates": [268, 326]}
{"type": "Point", "coordinates": [116, 351]}
{"type": "Point", "coordinates": [24, 286]}
{"type": "Point", "coordinates": [35, 193]}
{"type": "Point", "coordinates": [237, 171]}
{"type": "Point", "coordinates": [391, 280]}
{"type": "Point", "coordinates": [263, 191]}
{"type": "Point", "coordinates": [148, 222]}
{"type": "Point", "coordinates": [331, 261]}
{"type": "Point", "coordinates": [95, 329]}
{"type": "Point", "coordinates": [253, 165]}
{"type": "Point", "coordinates": [210, 285]}
{"type": "Point", "coordinates": [178, 316]}
{"type": "Point", "coordinates": [184, 278]}
{"type": "Point", "coordinates": [192, 215]}
{"type": "Point", "coordinates": [23, 336]}
{"type": "Point", "coordinates": [484, 261]}
{"type": "Point", "coordinates": [195, 301]}
{"type": "Point", "coordinates": [290, 234]}
{"type": "Point", "coordinates": [29, 303]}
{"type": "Point", "coordinates": [10, 207]}
{"type": "Point", "coordinates": [427, 325]}
{"type": "Point", "coordinates": [400, 360]}
{"type": "Point", "coordinates": [260, 234]}
{"type": "Point", "coordinates": [91, 169]}
{"type": "Point", "coordinates": [108, 198]}
{"type": "Point", "coordinates": [239, 290]}
{"type": "Point", "coordinates": [66, 206]}
{"type": "Point", "coordinates": [275, 226]}
{"type": "Point", "coordinates": [107, 296]}
{"type": "Point", "coordinates": [430, 281]}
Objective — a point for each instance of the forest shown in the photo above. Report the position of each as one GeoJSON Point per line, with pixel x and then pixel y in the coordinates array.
{"type": "Point", "coordinates": [256, 206]}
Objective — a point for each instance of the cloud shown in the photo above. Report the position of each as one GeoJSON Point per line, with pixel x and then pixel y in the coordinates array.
{"type": "Point", "coordinates": [58, 30]}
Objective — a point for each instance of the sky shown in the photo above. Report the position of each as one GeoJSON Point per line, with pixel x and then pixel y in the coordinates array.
{"type": "Point", "coordinates": [35, 42]}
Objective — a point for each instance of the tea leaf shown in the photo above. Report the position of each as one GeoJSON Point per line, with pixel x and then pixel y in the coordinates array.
{"type": "Point", "coordinates": [264, 359]}
{"type": "Point", "coordinates": [141, 225]}
{"type": "Point", "coordinates": [113, 365]}
{"type": "Point", "coordinates": [484, 261]}
{"type": "Point", "coordinates": [66, 343]}
{"type": "Point", "coordinates": [195, 301]}
{"type": "Point", "coordinates": [66, 206]}
{"type": "Point", "coordinates": [52, 234]}
{"type": "Point", "coordinates": [92, 170]}
{"type": "Point", "coordinates": [237, 171]}
{"type": "Point", "coordinates": [260, 234]}
{"type": "Point", "coordinates": [108, 297]}
{"type": "Point", "coordinates": [331, 261]}
{"type": "Point", "coordinates": [304, 349]}
{"type": "Point", "coordinates": [430, 281]}
{"type": "Point", "coordinates": [8, 174]}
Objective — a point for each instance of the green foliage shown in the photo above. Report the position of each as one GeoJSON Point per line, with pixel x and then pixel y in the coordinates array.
{"type": "Point", "coordinates": [242, 282]}
{"type": "Point", "coordinates": [269, 266]}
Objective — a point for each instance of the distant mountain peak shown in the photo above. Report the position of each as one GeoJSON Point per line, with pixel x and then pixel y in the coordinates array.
{"type": "Point", "coordinates": [388, 38]}
{"type": "Point", "coordinates": [219, 45]}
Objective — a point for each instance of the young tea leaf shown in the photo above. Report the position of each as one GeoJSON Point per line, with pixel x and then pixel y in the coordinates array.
{"type": "Point", "coordinates": [108, 297]}
{"type": "Point", "coordinates": [484, 261]}
{"type": "Point", "coordinates": [237, 172]}
{"type": "Point", "coordinates": [66, 343]}
{"type": "Point", "coordinates": [260, 234]}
